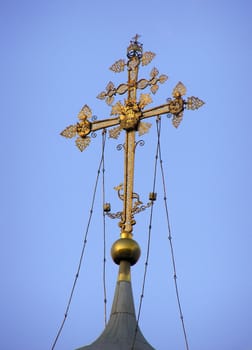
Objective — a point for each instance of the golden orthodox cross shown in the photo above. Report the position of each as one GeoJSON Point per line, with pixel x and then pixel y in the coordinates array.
{"type": "Point", "coordinates": [130, 117]}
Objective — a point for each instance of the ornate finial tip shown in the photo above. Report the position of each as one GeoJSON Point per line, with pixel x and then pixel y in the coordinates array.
{"type": "Point", "coordinates": [135, 38]}
{"type": "Point", "coordinates": [135, 48]}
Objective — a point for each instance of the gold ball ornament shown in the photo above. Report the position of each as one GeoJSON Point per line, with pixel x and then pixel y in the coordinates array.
{"type": "Point", "coordinates": [125, 249]}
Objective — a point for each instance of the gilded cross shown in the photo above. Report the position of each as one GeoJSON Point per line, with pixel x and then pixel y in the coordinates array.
{"type": "Point", "coordinates": [130, 116]}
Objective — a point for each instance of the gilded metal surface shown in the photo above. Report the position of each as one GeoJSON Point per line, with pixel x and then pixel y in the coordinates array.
{"type": "Point", "coordinates": [179, 90]}
{"type": "Point", "coordinates": [124, 272]}
{"type": "Point", "coordinates": [115, 132]}
{"type": "Point", "coordinates": [106, 207]}
{"type": "Point", "coordinates": [128, 221]}
{"type": "Point", "coordinates": [147, 57]}
{"type": "Point", "coordinates": [118, 66]}
{"type": "Point", "coordinates": [144, 100]}
{"type": "Point", "coordinates": [152, 196]}
{"type": "Point", "coordinates": [108, 94]}
{"type": "Point", "coordinates": [135, 48]}
{"type": "Point", "coordinates": [137, 206]}
{"type": "Point", "coordinates": [143, 128]}
{"type": "Point", "coordinates": [125, 249]}
{"type": "Point", "coordinates": [82, 128]}
{"type": "Point", "coordinates": [117, 215]}
{"type": "Point", "coordinates": [129, 116]}
{"type": "Point", "coordinates": [176, 119]}
{"type": "Point", "coordinates": [82, 143]}
{"type": "Point", "coordinates": [193, 103]}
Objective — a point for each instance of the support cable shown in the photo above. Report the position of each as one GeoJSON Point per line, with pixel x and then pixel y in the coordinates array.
{"type": "Point", "coordinates": [170, 238]}
{"type": "Point", "coordinates": [104, 227]}
{"type": "Point", "coordinates": [82, 251]}
{"type": "Point", "coordinates": [148, 245]}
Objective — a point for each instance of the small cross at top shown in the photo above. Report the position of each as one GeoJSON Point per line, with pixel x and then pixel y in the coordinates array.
{"type": "Point", "coordinates": [136, 37]}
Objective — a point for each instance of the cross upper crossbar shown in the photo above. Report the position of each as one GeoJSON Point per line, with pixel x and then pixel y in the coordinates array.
{"type": "Point", "coordinates": [130, 115]}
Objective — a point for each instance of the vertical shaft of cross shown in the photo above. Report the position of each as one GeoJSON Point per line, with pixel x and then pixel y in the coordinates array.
{"type": "Point", "coordinates": [129, 150]}
{"type": "Point", "coordinates": [129, 159]}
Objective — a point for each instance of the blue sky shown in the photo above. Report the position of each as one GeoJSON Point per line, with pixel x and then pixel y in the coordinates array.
{"type": "Point", "coordinates": [55, 58]}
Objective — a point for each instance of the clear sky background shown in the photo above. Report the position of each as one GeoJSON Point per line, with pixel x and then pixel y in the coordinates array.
{"type": "Point", "coordinates": [55, 57]}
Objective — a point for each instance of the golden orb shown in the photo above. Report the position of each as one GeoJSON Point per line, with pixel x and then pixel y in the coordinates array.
{"type": "Point", "coordinates": [125, 249]}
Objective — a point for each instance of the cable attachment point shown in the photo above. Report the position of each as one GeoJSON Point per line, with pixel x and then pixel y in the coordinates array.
{"type": "Point", "coordinates": [106, 207]}
{"type": "Point", "coordinates": [152, 196]}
